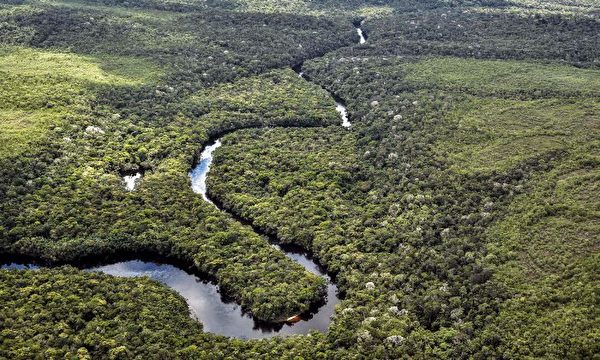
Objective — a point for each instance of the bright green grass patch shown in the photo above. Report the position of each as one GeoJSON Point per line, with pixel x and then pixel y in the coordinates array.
{"type": "Point", "coordinates": [504, 77]}
{"type": "Point", "coordinates": [132, 71]}
{"type": "Point", "coordinates": [319, 8]}
{"type": "Point", "coordinates": [37, 88]}
{"type": "Point", "coordinates": [33, 79]}
{"type": "Point", "coordinates": [579, 9]}
{"type": "Point", "coordinates": [564, 5]}
{"type": "Point", "coordinates": [23, 9]}
{"type": "Point", "coordinates": [20, 128]}
{"type": "Point", "coordinates": [137, 13]}
{"type": "Point", "coordinates": [375, 11]}
{"type": "Point", "coordinates": [30, 62]}
{"type": "Point", "coordinates": [499, 134]}
{"type": "Point", "coordinates": [557, 223]}
{"type": "Point", "coordinates": [270, 6]}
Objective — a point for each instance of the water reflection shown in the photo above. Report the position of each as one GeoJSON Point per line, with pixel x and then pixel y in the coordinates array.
{"type": "Point", "coordinates": [218, 315]}
{"type": "Point", "coordinates": [131, 181]}
{"type": "Point", "coordinates": [19, 266]}
{"type": "Point", "coordinates": [200, 171]}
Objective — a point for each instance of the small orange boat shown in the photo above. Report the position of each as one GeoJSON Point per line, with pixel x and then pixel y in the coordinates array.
{"type": "Point", "coordinates": [293, 319]}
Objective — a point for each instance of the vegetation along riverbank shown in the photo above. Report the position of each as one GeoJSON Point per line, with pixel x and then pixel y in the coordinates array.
{"type": "Point", "coordinates": [453, 211]}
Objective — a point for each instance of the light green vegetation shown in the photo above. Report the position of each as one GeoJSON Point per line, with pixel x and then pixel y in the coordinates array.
{"type": "Point", "coordinates": [33, 79]}
{"type": "Point", "coordinates": [132, 71]}
{"type": "Point", "coordinates": [504, 78]}
{"type": "Point", "coordinates": [375, 11]}
{"type": "Point", "coordinates": [136, 13]}
{"type": "Point", "coordinates": [270, 6]}
{"type": "Point", "coordinates": [543, 108]}
{"type": "Point", "coordinates": [497, 135]}
{"type": "Point", "coordinates": [38, 89]}
{"type": "Point", "coordinates": [571, 7]}
{"type": "Point", "coordinates": [19, 129]}
{"type": "Point", "coordinates": [313, 8]}
{"type": "Point", "coordinates": [547, 248]}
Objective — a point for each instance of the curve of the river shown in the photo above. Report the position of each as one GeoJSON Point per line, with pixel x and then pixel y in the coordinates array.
{"type": "Point", "coordinates": [217, 315]}
{"type": "Point", "coordinates": [320, 315]}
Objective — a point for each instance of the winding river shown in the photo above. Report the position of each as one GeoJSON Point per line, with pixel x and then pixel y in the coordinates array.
{"type": "Point", "coordinates": [243, 327]}
{"type": "Point", "coordinates": [219, 315]}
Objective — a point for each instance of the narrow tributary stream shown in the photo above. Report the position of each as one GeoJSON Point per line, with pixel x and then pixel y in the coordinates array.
{"type": "Point", "coordinates": [340, 105]}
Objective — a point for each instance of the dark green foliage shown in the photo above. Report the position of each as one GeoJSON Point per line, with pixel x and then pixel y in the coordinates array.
{"type": "Point", "coordinates": [298, 165]}
{"type": "Point", "coordinates": [66, 311]}
{"type": "Point", "coordinates": [457, 213]}
{"type": "Point", "coordinates": [497, 35]}
{"type": "Point", "coordinates": [76, 207]}
{"type": "Point", "coordinates": [198, 48]}
{"type": "Point", "coordinates": [411, 214]}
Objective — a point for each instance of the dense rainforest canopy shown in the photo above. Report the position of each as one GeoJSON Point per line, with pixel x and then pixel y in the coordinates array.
{"type": "Point", "coordinates": [457, 214]}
